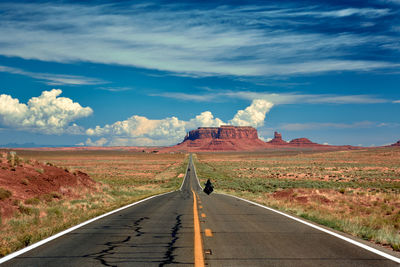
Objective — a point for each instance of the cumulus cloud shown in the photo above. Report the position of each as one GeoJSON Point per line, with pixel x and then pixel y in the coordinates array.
{"type": "Point", "coordinates": [100, 142]}
{"type": "Point", "coordinates": [139, 130]}
{"type": "Point", "coordinates": [253, 115]}
{"type": "Point", "coordinates": [47, 113]}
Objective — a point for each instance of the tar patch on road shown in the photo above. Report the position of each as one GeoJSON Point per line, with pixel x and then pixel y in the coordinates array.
{"type": "Point", "coordinates": [102, 255]}
{"type": "Point", "coordinates": [169, 256]}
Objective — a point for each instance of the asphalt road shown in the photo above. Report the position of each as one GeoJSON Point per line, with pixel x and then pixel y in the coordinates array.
{"type": "Point", "coordinates": [230, 232]}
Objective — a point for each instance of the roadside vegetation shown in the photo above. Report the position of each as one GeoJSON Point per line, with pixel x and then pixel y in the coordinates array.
{"type": "Point", "coordinates": [356, 192]}
{"type": "Point", "coordinates": [121, 178]}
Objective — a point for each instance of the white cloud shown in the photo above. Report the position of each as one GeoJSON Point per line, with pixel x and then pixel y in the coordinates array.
{"type": "Point", "coordinates": [139, 130]}
{"type": "Point", "coordinates": [396, 101]}
{"type": "Point", "coordinates": [265, 139]}
{"type": "Point", "coordinates": [331, 125]}
{"type": "Point", "coordinates": [54, 79]}
{"type": "Point", "coordinates": [100, 142]}
{"type": "Point", "coordinates": [253, 115]}
{"type": "Point", "coordinates": [47, 113]}
{"type": "Point", "coordinates": [115, 89]}
{"type": "Point", "coordinates": [397, 2]}
{"type": "Point", "coordinates": [192, 41]}
{"type": "Point", "coordinates": [365, 12]}
{"type": "Point", "coordinates": [279, 98]}
{"type": "Point", "coordinates": [318, 13]}
{"type": "Point", "coordinates": [204, 119]}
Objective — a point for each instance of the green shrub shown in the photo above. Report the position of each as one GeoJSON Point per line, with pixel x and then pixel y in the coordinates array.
{"type": "Point", "coordinates": [26, 239]}
{"type": "Point", "coordinates": [27, 210]}
{"type": "Point", "coordinates": [41, 171]}
{"type": "Point", "coordinates": [4, 193]}
{"type": "Point", "coordinates": [54, 211]}
{"type": "Point", "coordinates": [32, 201]}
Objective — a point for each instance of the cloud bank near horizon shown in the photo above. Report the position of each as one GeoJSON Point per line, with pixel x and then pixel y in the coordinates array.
{"type": "Point", "coordinates": [51, 114]}
{"type": "Point", "coordinates": [139, 130]}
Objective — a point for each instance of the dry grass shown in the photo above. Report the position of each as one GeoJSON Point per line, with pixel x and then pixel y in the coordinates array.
{"type": "Point", "coordinates": [124, 177]}
{"type": "Point", "coordinates": [352, 191]}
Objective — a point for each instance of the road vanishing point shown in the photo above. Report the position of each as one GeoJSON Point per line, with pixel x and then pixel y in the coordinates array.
{"type": "Point", "coordinates": [189, 228]}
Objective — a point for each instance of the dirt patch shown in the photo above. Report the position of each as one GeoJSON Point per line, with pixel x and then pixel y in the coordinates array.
{"type": "Point", "coordinates": [283, 194]}
{"type": "Point", "coordinates": [26, 180]}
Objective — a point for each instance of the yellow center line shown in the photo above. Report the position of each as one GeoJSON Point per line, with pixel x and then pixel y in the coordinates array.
{"type": "Point", "coordinates": [208, 232]}
{"type": "Point", "coordinates": [198, 245]}
{"type": "Point", "coordinates": [200, 206]}
{"type": "Point", "coordinates": [203, 215]}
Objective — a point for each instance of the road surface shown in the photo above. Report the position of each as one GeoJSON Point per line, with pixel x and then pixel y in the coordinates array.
{"type": "Point", "coordinates": [188, 227]}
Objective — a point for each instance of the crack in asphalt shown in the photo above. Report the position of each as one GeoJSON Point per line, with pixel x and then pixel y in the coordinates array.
{"type": "Point", "coordinates": [169, 257]}
{"type": "Point", "coordinates": [138, 227]}
{"type": "Point", "coordinates": [101, 256]}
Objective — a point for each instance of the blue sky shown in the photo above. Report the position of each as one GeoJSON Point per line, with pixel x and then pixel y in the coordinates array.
{"type": "Point", "coordinates": [131, 73]}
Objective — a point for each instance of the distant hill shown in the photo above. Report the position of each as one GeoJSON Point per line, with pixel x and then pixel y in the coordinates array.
{"type": "Point", "coordinates": [396, 144]}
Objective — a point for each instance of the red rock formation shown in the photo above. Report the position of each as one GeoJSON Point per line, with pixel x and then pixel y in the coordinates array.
{"type": "Point", "coordinates": [224, 138]}
{"type": "Point", "coordinates": [302, 142]}
{"type": "Point", "coordinates": [277, 140]}
{"type": "Point", "coordinates": [396, 144]}
{"type": "Point", "coordinates": [241, 138]}
{"type": "Point", "coordinates": [223, 132]}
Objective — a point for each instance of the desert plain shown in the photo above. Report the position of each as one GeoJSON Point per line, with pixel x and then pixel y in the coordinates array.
{"type": "Point", "coordinates": [39, 202]}
{"type": "Point", "coordinates": [353, 191]}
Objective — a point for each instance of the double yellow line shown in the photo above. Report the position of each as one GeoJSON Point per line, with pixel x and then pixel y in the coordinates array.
{"type": "Point", "coordinates": [198, 244]}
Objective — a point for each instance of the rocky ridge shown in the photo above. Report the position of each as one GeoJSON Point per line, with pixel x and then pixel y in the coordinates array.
{"type": "Point", "coordinates": [240, 138]}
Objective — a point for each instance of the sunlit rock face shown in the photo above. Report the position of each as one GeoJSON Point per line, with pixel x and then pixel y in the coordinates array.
{"type": "Point", "coordinates": [224, 138]}
{"type": "Point", "coordinates": [223, 132]}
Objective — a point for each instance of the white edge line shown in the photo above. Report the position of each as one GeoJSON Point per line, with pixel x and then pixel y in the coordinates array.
{"type": "Point", "coordinates": [195, 173]}
{"type": "Point", "coordinates": [44, 241]}
{"type": "Point", "coordinates": [184, 179]}
{"type": "Point", "coordinates": [50, 238]}
{"type": "Point", "coordinates": [366, 247]}
{"type": "Point", "coordinates": [371, 249]}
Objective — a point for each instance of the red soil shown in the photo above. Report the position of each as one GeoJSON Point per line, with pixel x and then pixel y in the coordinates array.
{"type": "Point", "coordinates": [34, 179]}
